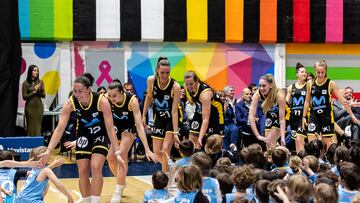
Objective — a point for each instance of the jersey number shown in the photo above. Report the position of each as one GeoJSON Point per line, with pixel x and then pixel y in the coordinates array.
{"type": "Point", "coordinates": [94, 130]}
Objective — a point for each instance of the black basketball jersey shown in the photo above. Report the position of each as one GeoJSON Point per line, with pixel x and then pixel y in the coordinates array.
{"type": "Point", "coordinates": [297, 101]}
{"type": "Point", "coordinates": [122, 114]}
{"type": "Point", "coordinates": [90, 119]}
{"type": "Point", "coordinates": [163, 99]}
{"type": "Point", "coordinates": [217, 110]}
{"type": "Point", "coordinates": [321, 96]}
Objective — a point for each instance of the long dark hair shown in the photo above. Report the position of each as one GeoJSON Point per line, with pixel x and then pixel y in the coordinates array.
{"type": "Point", "coordinates": [29, 73]}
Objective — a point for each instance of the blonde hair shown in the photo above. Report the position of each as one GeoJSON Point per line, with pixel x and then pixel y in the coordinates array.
{"type": "Point", "coordinates": [321, 63]}
{"type": "Point", "coordinates": [271, 97]}
{"type": "Point", "coordinates": [295, 163]}
{"type": "Point", "coordinates": [325, 193]}
{"type": "Point", "coordinates": [190, 179]}
{"type": "Point", "coordinates": [300, 188]}
{"type": "Point", "coordinates": [213, 144]}
{"type": "Point", "coordinates": [35, 152]}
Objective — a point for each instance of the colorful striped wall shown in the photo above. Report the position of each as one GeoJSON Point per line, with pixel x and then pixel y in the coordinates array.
{"type": "Point", "coordinates": [236, 21]}
{"type": "Point", "coordinates": [342, 59]}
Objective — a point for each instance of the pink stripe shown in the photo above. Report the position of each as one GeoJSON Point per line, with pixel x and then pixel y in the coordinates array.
{"type": "Point", "coordinates": [334, 20]}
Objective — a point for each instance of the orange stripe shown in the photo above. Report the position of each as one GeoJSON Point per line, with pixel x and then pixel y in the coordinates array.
{"type": "Point", "coordinates": [268, 20]}
{"type": "Point", "coordinates": [234, 20]}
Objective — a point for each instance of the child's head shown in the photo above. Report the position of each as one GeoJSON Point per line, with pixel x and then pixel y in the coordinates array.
{"type": "Point", "coordinates": [341, 154]}
{"type": "Point", "coordinates": [226, 185]}
{"type": "Point", "coordinates": [295, 163]}
{"type": "Point", "coordinates": [279, 157]}
{"type": "Point", "coordinates": [273, 175]}
{"type": "Point", "coordinates": [299, 188]}
{"type": "Point", "coordinates": [186, 147]}
{"type": "Point", "coordinates": [261, 190]}
{"type": "Point", "coordinates": [223, 161]}
{"type": "Point", "coordinates": [203, 162]}
{"type": "Point", "coordinates": [35, 152]}
{"type": "Point", "coordinates": [272, 189]}
{"type": "Point", "coordinates": [189, 179]}
{"type": "Point", "coordinates": [331, 153]}
{"type": "Point", "coordinates": [325, 193]}
{"type": "Point", "coordinates": [349, 175]}
{"type": "Point", "coordinates": [328, 177]}
{"type": "Point", "coordinates": [355, 152]}
{"type": "Point", "coordinates": [316, 148]}
{"type": "Point", "coordinates": [253, 155]}
{"type": "Point", "coordinates": [159, 180]}
{"type": "Point", "coordinates": [243, 177]}
{"type": "Point", "coordinates": [313, 163]}
{"type": "Point", "coordinates": [6, 155]}
{"type": "Point", "coordinates": [213, 144]}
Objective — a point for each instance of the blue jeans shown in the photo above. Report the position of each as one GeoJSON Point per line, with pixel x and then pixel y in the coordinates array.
{"type": "Point", "coordinates": [231, 135]}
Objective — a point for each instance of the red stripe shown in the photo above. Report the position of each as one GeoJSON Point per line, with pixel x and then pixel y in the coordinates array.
{"type": "Point", "coordinates": [301, 21]}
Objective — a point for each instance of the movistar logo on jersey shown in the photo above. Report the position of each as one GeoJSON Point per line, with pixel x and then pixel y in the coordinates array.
{"type": "Point", "coordinates": [123, 117]}
{"type": "Point", "coordinates": [90, 123]}
{"type": "Point", "coordinates": [318, 102]}
{"type": "Point", "coordinates": [298, 101]}
{"type": "Point", "coordinates": [161, 106]}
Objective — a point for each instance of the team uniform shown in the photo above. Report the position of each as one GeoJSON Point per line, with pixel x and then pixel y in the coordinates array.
{"type": "Point", "coordinates": [216, 120]}
{"type": "Point", "coordinates": [33, 190]}
{"type": "Point", "coordinates": [298, 95]}
{"type": "Point", "coordinates": [272, 115]}
{"type": "Point", "coordinates": [7, 179]}
{"type": "Point", "coordinates": [123, 116]}
{"type": "Point", "coordinates": [156, 195]}
{"type": "Point", "coordinates": [162, 108]}
{"type": "Point", "coordinates": [91, 132]}
{"type": "Point", "coordinates": [321, 111]}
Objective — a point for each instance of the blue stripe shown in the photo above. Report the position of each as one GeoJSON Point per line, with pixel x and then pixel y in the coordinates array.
{"type": "Point", "coordinates": [24, 18]}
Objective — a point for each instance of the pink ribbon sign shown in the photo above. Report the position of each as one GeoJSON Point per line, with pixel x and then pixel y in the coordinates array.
{"type": "Point", "coordinates": [104, 68]}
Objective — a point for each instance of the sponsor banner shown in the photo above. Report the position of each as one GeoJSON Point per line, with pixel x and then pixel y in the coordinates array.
{"type": "Point", "coordinates": [21, 145]}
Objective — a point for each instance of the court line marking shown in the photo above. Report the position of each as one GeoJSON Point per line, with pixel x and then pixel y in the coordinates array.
{"type": "Point", "coordinates": [143, 180]}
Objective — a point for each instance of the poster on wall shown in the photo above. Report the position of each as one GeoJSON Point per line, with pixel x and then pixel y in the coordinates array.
{"type": "Point", "coordinates": [105, 66]}
{"type": "Point", "coordinates": [46, 56]}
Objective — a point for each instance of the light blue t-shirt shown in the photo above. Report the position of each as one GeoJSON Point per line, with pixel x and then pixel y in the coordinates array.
{"type": "Point", "coordinates": [7, 177]}
{"type": "Point", "coordinates": [33, 190]}
{"type": "Point", "coordinates": [154, 194]}
{"type": "Point", "coordinates": [346, 195]}
{"type": "Point", "coordinates": [185, 197]}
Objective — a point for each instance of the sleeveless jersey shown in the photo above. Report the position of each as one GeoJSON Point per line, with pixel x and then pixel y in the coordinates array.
{"type": "Point", "coordinates": [90, 119]}
{"type": "Point", "coordinates": [297, 101]}
{"type": "Point", "coordinates": [122, 115]}
{"type": "Point", "coordinates": [217, 110]}
{"type": "Point", "coordinates": [185, 197]}
{"type": "Point", "coordinates": [33, 191]}
{"type": "Point", "coordinates": [209, 188]}
{"type": "Point", "coordinates": [321, 96]}
{"type": "Point", "coordinates": [162, 99]}
{"type": "Point", "coordinates": [7, 177]}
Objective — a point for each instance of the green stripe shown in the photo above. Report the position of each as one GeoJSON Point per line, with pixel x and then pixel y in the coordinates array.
{"type": "Point", "coordinates": [335, 73]}
{"type": "Point", "coordinates": [63, 19]}
{"type": "Point", "coordinates": [42, 19]}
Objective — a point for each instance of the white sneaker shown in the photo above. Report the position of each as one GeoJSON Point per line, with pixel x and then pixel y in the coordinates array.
{"type": "Point", "coordinates": [233, 147]}
{"type": "Point", "coordinates": [116, 198]}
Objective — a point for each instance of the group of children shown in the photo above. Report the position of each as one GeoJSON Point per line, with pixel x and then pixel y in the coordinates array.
{"type": "Point", "coordinates": [37, 178]}
{"type": "Point", "coordinates": [277, 175]}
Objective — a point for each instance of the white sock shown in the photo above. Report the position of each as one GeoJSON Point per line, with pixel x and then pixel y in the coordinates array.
{"type": "Point", "coordinates": [95, 199]}
{"type": "Point", "coordinates": [86, 199]}
{"type": "Point", "coordinates": [119, 188]}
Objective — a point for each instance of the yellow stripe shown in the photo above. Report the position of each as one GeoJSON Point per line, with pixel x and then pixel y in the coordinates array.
{"type": "Point", "coordinates": [328, 135]}
{"type": "Point", "coordinates": [129, 105]}
{"type": "Point", "coordinates": [220, 110]}
{"type": "Point", "coordinates": [195, 132]}
{"type": "Point", "coordinates": [82, 152]}
{"type": "Point", "coordinates": [63, 20]}
{"type": "Point", "coordinates": [98, 102]}
{"type": "Point", "coordinates": [157, 138]}
{"type": "Point", "coordinates": [101, 147]}
{"type": "Point", "coordinates": [72, 102]}
{"type": "Point", "coordinates": [180, 112]}
{"type": "Point", "coordinates": [348, 49]}
{"type": "Point", "coordinates": [197, 20]}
